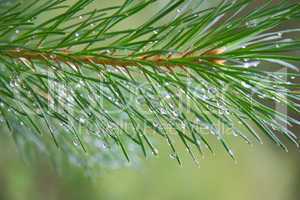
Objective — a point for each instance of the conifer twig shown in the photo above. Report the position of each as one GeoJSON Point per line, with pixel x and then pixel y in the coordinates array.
{"type": "Point", "coordinates": [99, 91]}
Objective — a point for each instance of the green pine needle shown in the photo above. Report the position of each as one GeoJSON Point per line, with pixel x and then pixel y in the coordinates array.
{"type": "Point", "coordinates": [70, 75]}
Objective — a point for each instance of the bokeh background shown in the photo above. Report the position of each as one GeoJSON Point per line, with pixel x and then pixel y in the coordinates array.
{"type": "Point", "coordinates": [262, 171]}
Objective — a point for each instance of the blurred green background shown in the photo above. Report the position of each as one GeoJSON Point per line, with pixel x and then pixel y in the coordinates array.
{"type": "Point", "coordinates": [261, 172]}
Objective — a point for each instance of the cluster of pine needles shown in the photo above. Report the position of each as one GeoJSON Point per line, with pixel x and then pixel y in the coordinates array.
{"type": "Point", "coordinates": [77, 78]}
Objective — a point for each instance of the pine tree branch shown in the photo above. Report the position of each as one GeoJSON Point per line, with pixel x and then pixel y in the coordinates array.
{"type": "Point", "coordinates": [182, 72]}
{"type": "Point", "coordinates": [67, 56]}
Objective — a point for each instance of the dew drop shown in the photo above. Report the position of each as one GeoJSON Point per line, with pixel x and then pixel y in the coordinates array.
{"type": "Point", "coordinates": [293, 77]}
{"type": "Point", "coordinates": [104, 146]}
{"type": "Point", "coordinates": [231, 153]}
{"type": "Point", "coordinates": [162, 111]}
{"type": "Point", "coordinates": [279, 34]}
{"type": "Point", "coordinates": [251, 64]}
{"type": "Point", "coordinates": [175, 114]}
{"type": "Point", "coordinates": [80, 17]}
{"type": "Point", "coordinates": [172, 156]}
{"type": "Point", "coordinates": [76, 142]}
{"type": "Point", "coordinates": [17, 31]}
{"type": "Point", "coordinates": [251, 24]}
{"type": "Point", "coordinates": [101, 145]}
{"type": "Point", "coordinates": [234, 133]}
{"type": "Point", "coordinates": [52, 56]}
{"type": "Point", "coordinates": [167, 96]}
{"type": "Point", "coordinates": [77, 86]}
{"type": "Point", "coordinates": [155, 124]}
{"type": "Point", "coordinates": [212, 90]}
{"type": "Point", "coordinates": [205, 97]}
{"type": "Point", "coordinates": [154, 151]}
{"type": "Point", "coordinates": [81, 120]}
{"type": "Point", "coordinates": [183, 126]}
{"type": "Point", "coordinates": [76, 34]}
{"type": "Point", "coordinates": [198, 121]}
{"type": "Point", "coordinates": [155, 32]}
{"type": "Point", "coordinates": [14, 83]}
{"type": "Point", "coordinates": [245, 85]}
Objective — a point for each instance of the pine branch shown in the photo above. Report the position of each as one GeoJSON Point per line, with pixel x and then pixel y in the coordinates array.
{"type": "Point", "coordinates": [93, 86]}
{"type": "Point", "coordinates": [67, 56]}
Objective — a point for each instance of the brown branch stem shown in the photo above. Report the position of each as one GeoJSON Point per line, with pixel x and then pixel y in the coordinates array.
{"type": "Point", "coordinates": [67, 56]}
